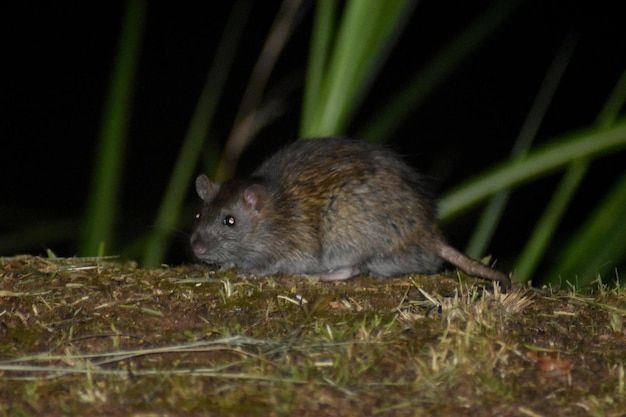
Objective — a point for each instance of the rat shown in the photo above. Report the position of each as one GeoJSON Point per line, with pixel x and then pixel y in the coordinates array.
{"type": "Point", "coordinates": [331, 208]}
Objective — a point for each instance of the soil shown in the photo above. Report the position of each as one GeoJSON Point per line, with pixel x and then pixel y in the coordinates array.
{"type": "Point", "coordinates": [99, 337]}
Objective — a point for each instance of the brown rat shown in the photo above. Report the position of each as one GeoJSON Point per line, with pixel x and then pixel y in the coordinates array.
{"type": "Point", "coordinates": [330, 208]}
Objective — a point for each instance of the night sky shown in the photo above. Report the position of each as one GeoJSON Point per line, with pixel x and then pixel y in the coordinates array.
{"type": "Point", "coordinates": [59, 57]}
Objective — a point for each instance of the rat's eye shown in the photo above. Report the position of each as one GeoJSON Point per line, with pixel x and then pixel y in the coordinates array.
{"type": "Point", "coordinates": [229, 220]}
{"type": "Point", "coordinates": [198, 216]}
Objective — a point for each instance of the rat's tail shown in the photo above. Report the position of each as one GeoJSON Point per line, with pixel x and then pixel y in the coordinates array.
{"type": "Point", "coordinates": [471, 266]}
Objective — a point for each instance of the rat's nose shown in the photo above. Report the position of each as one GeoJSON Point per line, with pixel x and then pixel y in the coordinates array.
{"type": "Point", "coordinates": [202, 244]}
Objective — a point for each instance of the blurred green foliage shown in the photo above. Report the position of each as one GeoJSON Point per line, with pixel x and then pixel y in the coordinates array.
{"type": "Point", "coordinates": [349, 43]}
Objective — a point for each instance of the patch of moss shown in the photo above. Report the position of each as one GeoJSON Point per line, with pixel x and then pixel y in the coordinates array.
{"type": "Point", "coordinates": [92, 336]}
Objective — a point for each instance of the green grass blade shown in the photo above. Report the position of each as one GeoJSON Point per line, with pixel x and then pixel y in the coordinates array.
{"type": "Point", "coordinates": [590, 143]}
{"type": "Point", "coordinates": [103, 199]}
{"type": "Point", "coordinates": [492, 214]}
{"type": "Point", "coordinates": [426, 81]}
{"type": "Point", "coordinates": [585, 244]}
{"type": "Point", "coordinates": [611, 110]}
{"type": "Point", "coordinates": [544, 230]}
{"type": "Point", "coordinates": [599, 245]}
{"type": "Point", "coordinates": [389, 27]}
{"type": "Point", "coordinates": [352, 42]}
{"type": "Point", "coordinates": [323, 33]}
{"type": "Point", "coordinates": [186, 162]}
{"type": "Point", "coordinates": [366, 30]}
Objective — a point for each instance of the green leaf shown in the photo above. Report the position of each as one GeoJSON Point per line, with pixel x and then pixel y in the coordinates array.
{"type": "Point", "coordinates": [186, 162]}
{"type": "Point", "coordinates": [322, 36]}
{"type": "Point", "coordinates": [440, 67]}
{"type": "Point", "coordinates": [490, 218]}
{"type": "Point", "coordinates": [544, 230]}
{"type": "Point", "coordinates": [591, 143]}
{"type": "Point", "coordinates": [102, 202]}
{"type": "Point", "coordinates": [364, 35]}
{"type": "Point", "coordinates": [600, 244]}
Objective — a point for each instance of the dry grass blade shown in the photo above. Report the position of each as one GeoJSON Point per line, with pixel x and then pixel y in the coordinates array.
{"type": "Point", "coordinates": [78, 335]}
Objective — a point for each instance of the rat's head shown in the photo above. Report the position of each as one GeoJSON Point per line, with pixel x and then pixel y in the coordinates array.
{"type": "Point", "coordinates": [229, 229]}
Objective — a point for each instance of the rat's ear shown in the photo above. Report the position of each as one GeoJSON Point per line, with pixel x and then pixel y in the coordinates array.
{"type": "Point", "coordinates": [256, 197]}
{"type": "Point", "coordinates": [205, 188]}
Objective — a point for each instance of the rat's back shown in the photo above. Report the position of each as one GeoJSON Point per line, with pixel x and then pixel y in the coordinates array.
{"type": "Point", "coordinates": [367, 207]}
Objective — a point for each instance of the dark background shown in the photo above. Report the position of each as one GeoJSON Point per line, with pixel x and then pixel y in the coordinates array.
{"type": "Point", "coordinates": [57, 59]}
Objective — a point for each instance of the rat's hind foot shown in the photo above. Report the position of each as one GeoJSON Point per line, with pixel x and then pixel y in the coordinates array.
{"type": "Point", "coordinates": [336, 274]}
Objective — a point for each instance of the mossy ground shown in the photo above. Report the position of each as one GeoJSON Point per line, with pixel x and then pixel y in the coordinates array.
{"type": "Point", "coordinates": [96, 337]}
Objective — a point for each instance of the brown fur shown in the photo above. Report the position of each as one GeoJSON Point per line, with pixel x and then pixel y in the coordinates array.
{"type": "Point", "coordinates": [331, 208]}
